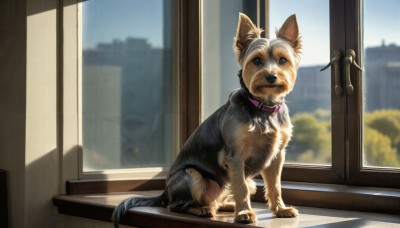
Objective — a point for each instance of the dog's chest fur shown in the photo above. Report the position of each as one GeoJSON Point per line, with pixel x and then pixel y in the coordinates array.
{"type": "Point", "coordinates": [258, 145]}
{"type": "Point", "coordinates": [257, 137]}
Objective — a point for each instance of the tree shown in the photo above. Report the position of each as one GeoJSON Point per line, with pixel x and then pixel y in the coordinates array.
{"type": "Point", "coordinates": [387, 122]}
{"type": "Point", "coordinates": [311, 142]}
{"type": "Point", "coordinates": [382, 138]}
{"type": "Point", "coordinates": [378, 150]}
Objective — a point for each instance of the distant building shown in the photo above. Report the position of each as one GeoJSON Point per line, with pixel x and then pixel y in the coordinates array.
{"type": "Point", "coordinates": [381, 85]}
{"type": "Point", "coordinates": [130, 81]}
{"type": "Point", "coordinates": [312, 90]}
{"type": "Point", "coordinates": [127, 94]}
{"type": "Point", "coordinates": [382, 73]}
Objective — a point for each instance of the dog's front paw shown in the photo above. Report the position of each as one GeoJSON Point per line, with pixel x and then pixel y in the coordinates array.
{"type": "Point", "coordinates": [246, 217]}
{"type": "Point", "coordinates": [287, 212]}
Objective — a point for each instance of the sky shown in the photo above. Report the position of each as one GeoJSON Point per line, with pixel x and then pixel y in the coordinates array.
{"type": "Point", "coordinates": [381, 22]}
{"type": "Point", "coordinates": [104, 21]}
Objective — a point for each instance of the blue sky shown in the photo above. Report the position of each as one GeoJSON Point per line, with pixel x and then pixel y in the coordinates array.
{"type": "Point", "coordinates": [313, 20]}
{"type": "Point", "coordinates": [104, 20]}
{"type": "Point", "coordinates": [381, 22]}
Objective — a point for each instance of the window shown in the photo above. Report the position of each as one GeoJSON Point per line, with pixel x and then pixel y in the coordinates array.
{"type": "Point", "coordinates": [129, 91]}
{"type": "Point", "coordinates": [309, 103]}
{"type": "Point", "coordinates": [203, 74]}
{"type": "Point", "coordinates": [381, 48]}
{"type": "Point", "coordinates": [338, 138]}
{"type": "Point", "coordinates": [374, 154]}
{"type": "Point", "coordinates": [128, 101]}
{"type": "Point", "coordinates": [349, 134]}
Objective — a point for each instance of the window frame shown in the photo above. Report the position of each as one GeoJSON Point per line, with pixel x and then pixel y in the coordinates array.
{"type": "Point", "coordinates": [335, 173]}
{"type": "Point", "coordinates": [357, 173]}
{"type": "Point", "coordinates": [346, 167]}
{"type": "Point", "coordinates": [186, 27]}
{"type": "Point", "coordinates": [159, 172]}
{"type": "Point", "coordinates": [347, 114]}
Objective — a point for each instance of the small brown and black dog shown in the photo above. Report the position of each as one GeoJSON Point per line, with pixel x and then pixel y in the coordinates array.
{"type": "Point", "coordinates": [245, 137]}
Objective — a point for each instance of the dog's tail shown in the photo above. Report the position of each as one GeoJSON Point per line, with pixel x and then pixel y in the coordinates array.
{"type": "Point", "coordinates": [122, 208]}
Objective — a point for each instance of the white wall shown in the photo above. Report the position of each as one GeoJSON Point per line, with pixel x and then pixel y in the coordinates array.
{"type": "Point", "coordinates": [31, 150]}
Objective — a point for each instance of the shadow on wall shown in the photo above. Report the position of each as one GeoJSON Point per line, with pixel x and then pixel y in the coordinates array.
{"type": "Point", "coordinates": [42, 182]}
{"type": "Point", "coordinates": [49, 5]}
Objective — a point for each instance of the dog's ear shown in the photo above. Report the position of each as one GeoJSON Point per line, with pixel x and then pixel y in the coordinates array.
{"type": "Point", "coordinates": [246, 31]}
{"type": "Point", "coordinates": [290, 32]}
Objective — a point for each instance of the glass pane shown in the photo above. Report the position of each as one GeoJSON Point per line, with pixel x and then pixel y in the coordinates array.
{"type": "Point", "coordinates": [310, 101]}
{"type": "Point", "coordinates": [220, 67]}
{"type": "Point", "coordinates": [127, 84]}
{"type": "Point", "coordinates": [382, 83]}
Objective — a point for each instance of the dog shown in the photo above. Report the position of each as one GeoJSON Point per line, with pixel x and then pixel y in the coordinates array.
{"type": "Point", "coordinates": [245, 137]}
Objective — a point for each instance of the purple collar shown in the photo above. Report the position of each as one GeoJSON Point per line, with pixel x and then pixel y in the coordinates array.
{"type": "Point", "coordinates": [261, 106]}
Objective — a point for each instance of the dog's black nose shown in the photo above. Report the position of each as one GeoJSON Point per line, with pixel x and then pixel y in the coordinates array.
{"type": "Point", "coordinates": [271, 78]}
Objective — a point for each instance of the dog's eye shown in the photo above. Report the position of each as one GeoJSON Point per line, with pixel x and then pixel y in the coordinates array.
{"type": "Point", "coordinates": [257, 61]}
{"type": "Point", "coordinates": [282, 61]}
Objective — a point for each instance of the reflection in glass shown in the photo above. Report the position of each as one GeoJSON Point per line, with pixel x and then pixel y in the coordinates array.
{"type": "Point", "coordinates": [220, 67]}
{"type": "Point", "coordinates": [382, 84]}
{"type": "Point", "coordinates": [126, 84]}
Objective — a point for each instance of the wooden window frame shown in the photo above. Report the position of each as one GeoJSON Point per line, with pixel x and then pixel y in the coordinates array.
{"type": "Point", "coordinates": [190, 57]}
{"type": "Point", "coordinates": [347, 115]}
{"type": "Point", "coordinates": [327, 178]}
{"type": "Point", "coordinates": [187, 68]}
{"type": "Point", "coordinates": [334, 174]}
{"type": "Point", "coordinates": [357, 173]}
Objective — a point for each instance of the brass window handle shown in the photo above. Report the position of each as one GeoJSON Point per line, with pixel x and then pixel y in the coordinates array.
{"type": "Point", "coordinates": [335, 61]}
{"type": "Point", "coordinates": [350, 60]}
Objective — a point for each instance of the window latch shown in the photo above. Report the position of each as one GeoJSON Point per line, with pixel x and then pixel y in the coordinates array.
{"type": "Point", "coordinates": [350, 60]}
{"type": "Point", "coordinates": [335, 61]}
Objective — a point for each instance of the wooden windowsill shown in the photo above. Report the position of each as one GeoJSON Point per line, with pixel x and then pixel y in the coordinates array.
{"type": "Point", "coordinates": [379, 200]}
{"type": "Point", "coordinates": [309, 198]}
{"type": "Point", "coordinates": [100, 207]}
{"type": "Point", "coordinates": [342, 197]}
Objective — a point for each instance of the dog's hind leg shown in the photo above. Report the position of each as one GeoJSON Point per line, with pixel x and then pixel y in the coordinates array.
{"type": "Point", "coordinates": [204, 191]}
{"type": "Point", "coordinates": [190, 193]}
